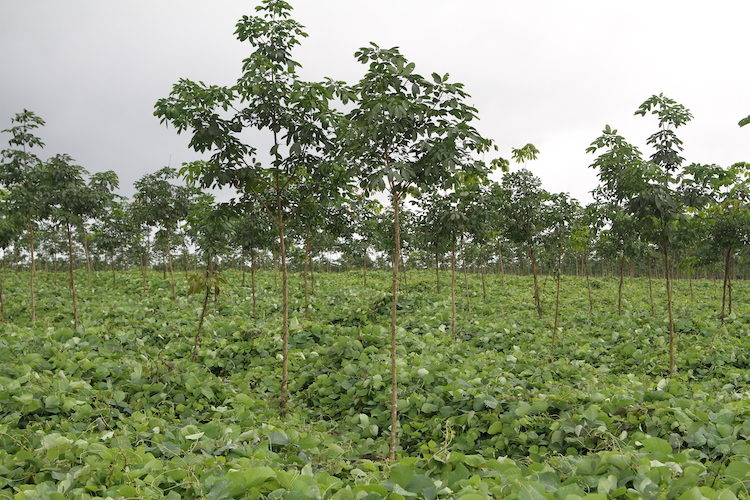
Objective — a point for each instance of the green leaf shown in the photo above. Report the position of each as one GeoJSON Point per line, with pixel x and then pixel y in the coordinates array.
{"type": "Point", "coordinates": [657, 444]}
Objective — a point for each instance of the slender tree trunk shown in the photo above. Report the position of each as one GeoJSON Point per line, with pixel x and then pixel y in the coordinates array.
{"type": "Point", "coordinates": [500, 262]}
{"type": "Point", "coordinates": [186, 255]}
{"type": "Point", "coordinates": [394, 309]}
{"type": "Point", "coordinates": [650, 286]}
{"type": "Point", "coordinates": [33, 271]}
{"type": "Point", "coordinates": [622, 280]}
{"type": "Point", "coordinates": [588, 281]}
{"type": "Point", "coordinates": [668, 278]}
{"type": "Point", "coordinates": [72, 277]}
{"type": "Point", "coordinates": [481, 272]}
{"type": "Point", "coordinates": [203, 312]}
{"type": "Point", "coordinates": [242, 265]}
{"type": "Point", "coordinates": [537, 295]}
{"type": "Point", "coordinates": [364, 269]}
{"type": "Point", "coordinates": [285, 313]}
{"type": "Point", "coordinates": [453, 287]}
{"type": "Point", "coordinates": [437, 271]}
{"type": "Point", "coordinates": [725, 285]}
{"type": "Point", "coordinates": [112, 266]}
{"type": "Point", "coordinates": [304, 272]}
{"type": "Point", "coordinates": [169, 262]}
{"type": "Point", "coordinates": [85, 238]}
{"type": "Point", "coordinates": [466, 276]}
{"type": "Point", "coordinates": [252, 282]}
{"type": "Point", "coordinates": [557, 300]}
{"type": "Point", "coordinates": [2, 299]}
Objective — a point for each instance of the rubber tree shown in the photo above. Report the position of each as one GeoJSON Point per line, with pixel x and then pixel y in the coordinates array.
{"type": "Point", "coordinates": [19, 173]}
{"type": "Point", "coordinates": [113, 233]}
{"type": "Point", "coordinates": [268, 98]}
{"type": "Point", "coordinates": [406, 132]}
{"type": "Point", "coordinates": [523, 217]}
{"type": "Point", "coordinates": [561, 213]}
{"type": "Point", "coordinates": [96, 199]}
{"type": "Point", "coordinates": [718, 197]}
{"type": "Point", "coordinates": [658, 206]}
{"type": "Point", "coordinates": [252, 232]}
{"type": "Point", "coordinates": [361, 239]}
{"type": "Point", "coordinates": [11, 229]}
{"type": "Point", "coordinates": [159, 203]}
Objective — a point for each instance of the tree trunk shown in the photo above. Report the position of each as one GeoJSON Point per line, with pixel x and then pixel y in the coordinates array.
{"type": "Point", "coordinates": [557, 301]}
{"type": "Point", "coordinates": [668, 278]}
{"type": "Point", "coordinates": [72, 278]}
{"type": "Point", "coordinates": [242, 265]}
{"type": "Point", "coordinates": [453, 287]}
{"type": "Point", "coordinates": [112, 266]}
{"type": "Point", "coordinates": [203, 312]}
{"type": "Point", "coordinates": [85, 238]}
{"type": "Point", "coordinates": [650, 286]}
{"type": "Point", "coordinates": [285, 314]}
{"type": "Point", "coordinates": [252, 282]}
{"type": "Point", "coordinates": [437, 271]}
{"type": "Point", "coordinates": [2, 301]}
{"type": "Point", "coordinates": [481, 273]}
{"type": "Point", "coordinates": [32, 271]}
{"type": "Point", "coordinates": [466, 276]}
{"type": "Point", "coordinates": [725, 285]}
{"type": "Point", "coordinates": [169, 262]}
{"type": "Point", "coordinates": [588, 281]}
{"type": "Point", "coordinates": [537, 295]}
{"type": "Point", "coordinates": [364, 269]}
{"type": "Point", "coordinates": [394, 309]}
{"type": "Point", "coordinates": [622, 279]}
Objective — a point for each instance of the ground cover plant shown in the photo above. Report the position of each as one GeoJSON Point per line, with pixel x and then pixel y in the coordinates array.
{"type": "Point", "coordinates": [116, 408]}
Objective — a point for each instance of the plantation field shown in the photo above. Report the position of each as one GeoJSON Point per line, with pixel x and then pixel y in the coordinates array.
{"type": "Point", "coordinates": [116, 409]}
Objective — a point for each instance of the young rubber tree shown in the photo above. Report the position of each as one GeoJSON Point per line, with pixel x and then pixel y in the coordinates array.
{"type": "Point", "coordinates": [11, 229]}
{"type": "Point", "coordinates": [66, 199]}
{"type": "Point", "coordinates": [19, 173]}
{"type": "Point", "coordinates": [719, 197]}
{"type": "Point", "coordinates": [269, 98]}
{"type": "Point", "coordinates": [523, 218]}
{"type": "Point", "coordinates": [657, 206]}
{"type": "Point", "coordinates": [407, 132]}
{"type": "Point", "coordinates": [561, 212]}
{"type": "Point", "coordinates": [160, 203]}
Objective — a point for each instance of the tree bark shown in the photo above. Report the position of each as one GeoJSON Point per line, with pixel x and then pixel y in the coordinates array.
{"type": "Point", "coordinates": [72, 277]}
{"type": "Point", "coordinates": [394, 309]}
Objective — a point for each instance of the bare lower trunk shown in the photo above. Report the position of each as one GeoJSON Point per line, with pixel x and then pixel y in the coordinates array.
{"type": "Point", "coordinates": [453, 287]}
{"type": "Point", "coordinates": [557, 301]}
{"type": "Point", "coordinates": [33, 271]}
{"type": "Point", "coordinates": [619, 288]}
{"type": "Point", "coordinates": [668, 278]}
{"type": "Point", "coordinates": [72, 278]}
{"type": "Point", "coordinates": [85, 238]}
{"type": "Point", "coordinates": [252, 282]}
{"type": "Point", "coordinates": [169, 262]}
{"type": "Point", "coordinates": [588, 282]}
{"type": "Point", "coordinates": [651, 287]}
{"type": "Point", "coordinates": [394, 308]}
{"type": "Point", "coordinates": [725, 286]}
{"type": "Point", "coordinates": [466, 277]}
{"type": "Point", "coordinates": [537, 295]}
{"type": "Point", "coordinates": [437, 271]}
{"type": "Point", "coordinates": [285, 319]}
{"type": "Point", "coordinates": [481, 272]}
{"type": "Point", "coordinates": [203, 312]}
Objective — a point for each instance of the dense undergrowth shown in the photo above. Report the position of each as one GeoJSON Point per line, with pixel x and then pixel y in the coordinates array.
{"type": "Point", "coordinates": [116, 409]}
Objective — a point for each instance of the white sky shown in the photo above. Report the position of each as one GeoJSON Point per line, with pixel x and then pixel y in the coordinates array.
{"type": "Point", "coordinates": [549, 72]}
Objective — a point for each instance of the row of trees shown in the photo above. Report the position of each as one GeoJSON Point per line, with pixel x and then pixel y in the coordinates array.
{"type": "Point", "coordinates": [404, 135]}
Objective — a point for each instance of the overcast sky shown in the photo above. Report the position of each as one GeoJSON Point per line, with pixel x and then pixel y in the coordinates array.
{"type": "Point", "coordinates": [549, 72]}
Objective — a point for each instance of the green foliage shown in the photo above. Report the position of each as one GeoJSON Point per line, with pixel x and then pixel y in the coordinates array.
{"type": "Point", "coordinates": [117, 408]}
